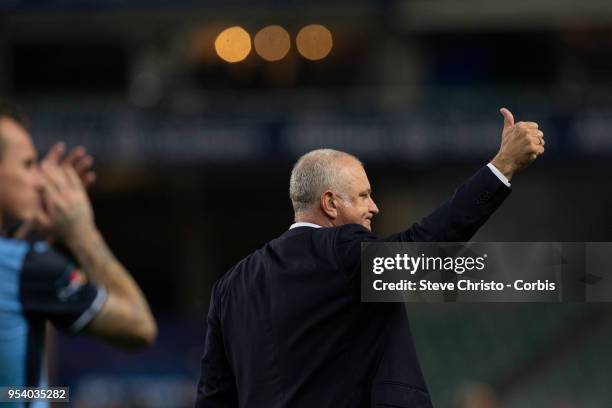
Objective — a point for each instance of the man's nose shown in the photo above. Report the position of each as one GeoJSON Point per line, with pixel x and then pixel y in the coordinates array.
{"type": "Point", "coordinates": [373, 207]}
{"type": "Point", "coordinates": [38, 178]}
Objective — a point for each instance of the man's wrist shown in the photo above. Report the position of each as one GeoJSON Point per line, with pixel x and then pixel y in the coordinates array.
{"type": "Point", "coordinates": [79, 232]}
{"type": "Point", "coordinates": [504, 168]}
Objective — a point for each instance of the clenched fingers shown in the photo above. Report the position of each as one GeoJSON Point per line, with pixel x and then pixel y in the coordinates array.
{"type": "Point", "coordinates": [528, 125]}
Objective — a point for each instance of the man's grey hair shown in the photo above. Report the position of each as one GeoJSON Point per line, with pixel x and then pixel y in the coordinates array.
{"type": "Point", "coordinates": [312, 174]}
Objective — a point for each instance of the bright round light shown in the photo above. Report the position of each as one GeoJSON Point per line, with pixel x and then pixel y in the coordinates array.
{"type": "Point", "coordinates": [272, 43]}
{"type": "Point", "coordinates": [314, 42]}
{"type": "Point", "coordinates": [233, 44]}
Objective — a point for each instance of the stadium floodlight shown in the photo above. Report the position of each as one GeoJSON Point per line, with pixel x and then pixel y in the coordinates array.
{"type": "Point", "coordinates": [314, 42]}
{"type": "Point", "coordinates": [233, 44]}
{"type": "Point", "coordinates": [272, 43]}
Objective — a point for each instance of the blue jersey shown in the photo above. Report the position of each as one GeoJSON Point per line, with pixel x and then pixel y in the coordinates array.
{"type": "Point", "coordinates": [38, 284]}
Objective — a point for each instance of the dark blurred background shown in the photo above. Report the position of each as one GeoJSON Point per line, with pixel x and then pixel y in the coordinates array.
{"type": "Point", "coordinates": [191, 151]}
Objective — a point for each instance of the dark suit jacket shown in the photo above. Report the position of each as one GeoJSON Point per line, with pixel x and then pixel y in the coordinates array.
{"type": "Point", "coordinates": [286, 327]}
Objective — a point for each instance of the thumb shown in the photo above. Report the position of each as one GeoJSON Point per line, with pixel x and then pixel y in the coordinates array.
{"type": "Point", "coordinates": [508, 118]}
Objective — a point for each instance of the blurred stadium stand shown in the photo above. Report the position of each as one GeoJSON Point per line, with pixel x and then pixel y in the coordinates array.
{"type": "Point", "coordinates": [189, 149]}
{"type": "Point", "coordinates": [527, 353]}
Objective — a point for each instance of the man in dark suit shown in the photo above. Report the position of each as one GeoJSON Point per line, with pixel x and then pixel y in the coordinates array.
{"type": "Point", "coordinates": [286, 327]}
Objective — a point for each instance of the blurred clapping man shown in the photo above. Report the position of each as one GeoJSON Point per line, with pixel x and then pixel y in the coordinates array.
{"type": "Point", "coordinates": [286, 327]}
{"type": "Point", "coordinates": [79, 289]}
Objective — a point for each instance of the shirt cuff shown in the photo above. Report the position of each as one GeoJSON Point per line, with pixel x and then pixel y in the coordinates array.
{"type": "Point", "coordinates": [499, 174]}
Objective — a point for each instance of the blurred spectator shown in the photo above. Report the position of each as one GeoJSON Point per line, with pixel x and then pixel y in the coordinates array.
{"type": "Point", "coordinates": [477, 395]}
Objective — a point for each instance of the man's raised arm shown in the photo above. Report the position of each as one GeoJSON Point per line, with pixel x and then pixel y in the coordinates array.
{"type": "Point", "coordinates": [458, 219]}
{"type": "Point", "coordinates": [125, 318]}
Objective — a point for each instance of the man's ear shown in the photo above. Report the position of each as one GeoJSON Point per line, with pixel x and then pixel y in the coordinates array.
{"type": "Point", "coordinates": [329, 204]}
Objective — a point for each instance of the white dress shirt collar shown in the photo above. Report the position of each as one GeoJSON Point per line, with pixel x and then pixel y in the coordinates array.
{"type": "Point", "coordinates": [304, 224]}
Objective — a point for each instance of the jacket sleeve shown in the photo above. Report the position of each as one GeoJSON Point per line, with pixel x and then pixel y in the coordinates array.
{"type": "Point", "coordinates": [217, 385]}
{"type": "Point", "coordinates": [458, 219]}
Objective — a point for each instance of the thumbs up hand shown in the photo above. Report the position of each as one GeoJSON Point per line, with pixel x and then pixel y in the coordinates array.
{"type": "Point", "coordinates": [521, 144]}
